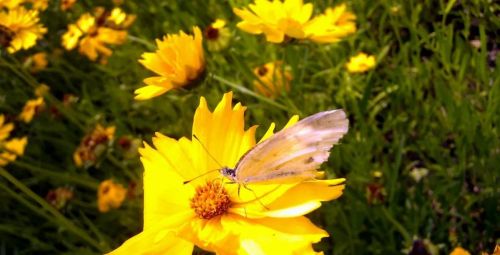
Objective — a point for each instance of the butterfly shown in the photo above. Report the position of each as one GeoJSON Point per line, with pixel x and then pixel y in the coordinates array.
{"type": "Point", "coordinates": [292, 154]}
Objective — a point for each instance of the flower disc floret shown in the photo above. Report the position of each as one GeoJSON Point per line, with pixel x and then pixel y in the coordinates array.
{"type": "Point", "coordinates": [210, 200]}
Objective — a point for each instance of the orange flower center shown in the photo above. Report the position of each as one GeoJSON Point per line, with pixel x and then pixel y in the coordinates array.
{"type": "Point", "coordinates": [6, 36]}
{"type": "Point", "coordinates": [210, 200]}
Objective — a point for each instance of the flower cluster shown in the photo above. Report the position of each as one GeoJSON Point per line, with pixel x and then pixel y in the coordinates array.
{"type": "Point", "coordinates": [92, 33]}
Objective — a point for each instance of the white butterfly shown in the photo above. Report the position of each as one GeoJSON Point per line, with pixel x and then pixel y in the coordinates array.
{"type": "Point", "coordinates": [292, 154]}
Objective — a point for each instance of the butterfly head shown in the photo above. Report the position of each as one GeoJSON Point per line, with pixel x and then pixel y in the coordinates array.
{"type": "Point", "coordinates": [229, 173]}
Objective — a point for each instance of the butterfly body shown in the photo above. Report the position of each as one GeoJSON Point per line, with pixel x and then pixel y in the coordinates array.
{"type": "Point", "coordinates": [293, 154]}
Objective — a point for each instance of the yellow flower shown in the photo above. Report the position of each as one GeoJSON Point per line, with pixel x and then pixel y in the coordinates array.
{"type": "Point", "coordinates": [92, 37]}
{"type": "Point", "coordinates": [110, 195]}
{"type": "Point", "coordinates": [273, 80]}
{"type": "Point", "coordinates": [36, 62]}
{"type": "Point", "coordinates": [93, 144]}
{"type": "Point", "coordinates": [217, 35]}
{"type": "Point", "coordinates": [19, 29]}
{"type": "Point", "coordinates": [119, 20]}
{"type": "Point", "coordinates": [12, 149]}
{"type": "Point", "coordinates": [276, 19]}
{"type": "Point", "coordinates": [459, 251]}
{"type": "Point", "coordinates": [67, 4]}
{"type": "Point", "coordinates": [178, 61]}
{"type": "Point", "coordinates": [5, 128]}
{"type": "Point", "coordinates": [9, 149]}
{"type": "Point", "coordinates": [41, 90]}
{"type": "Point", "coordinates": [262, 219]}
{"type": "Point", "coordinates": [31, 108]}
{"type": "Point", "coordinates": [360, 63]}
{"type": "Point", "coordinates": [335, 24]}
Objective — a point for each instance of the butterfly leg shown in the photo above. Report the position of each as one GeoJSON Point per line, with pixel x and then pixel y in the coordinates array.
{"type": "Point", "coordinates": [253, 192]}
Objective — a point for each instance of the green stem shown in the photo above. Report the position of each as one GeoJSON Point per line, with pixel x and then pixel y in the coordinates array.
{"type": "Point", "coordinates": [247, 91]}
{"type": "Point", "coordinates": [397, 225]}
{"type": "Point", "coordinates": [58, 217]}
{"type": "Point", "coordinates": [83, 181]}
{"type": "Point", "coordinates": [148, 45]}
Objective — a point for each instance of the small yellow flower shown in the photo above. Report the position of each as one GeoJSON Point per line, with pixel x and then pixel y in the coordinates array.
{"type": "Point", "coordinates": [36, 62]}
{"type": "Point", "coordinates": [178, 61]}
{"type": "Point", "coordinates": [9, 149]}
{"type": "Point", "coordinates": [217, 35]}
{"type": "Point", "coordinates": [118, 19]}
{"type": "Point", "coordinates": [335, 24]}
{"type": "Point", "coordinates": [92, 145]}
{"type": "Point", "coordinates": [211, 214]}
{"type": "Point", "coordinates": [459, 251]}
{"type": "Point", "coordinates": [41, 90]}
{"type": "Point", "coordinates": [92, 36]}
{"type": "Point", "coordinates": [273, 80]}
{"type": "Point", "coordinates": [5, 128]}
{"type": "Point", "coordinates": [67, 4]}
{"type": "Point", "coordinates": [19, 29]}
{"type": "Point", "coordinates": [276, 20]}
{"type": "Point", "coordinates": [31, 108]}
{"type": "Point", "coordinates": [110, 195]}
{"type": "Point", "coordinates": [360, 63]}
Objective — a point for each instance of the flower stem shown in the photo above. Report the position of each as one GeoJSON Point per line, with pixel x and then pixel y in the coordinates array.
{"type": "Point", "coordinates": [247, 91]}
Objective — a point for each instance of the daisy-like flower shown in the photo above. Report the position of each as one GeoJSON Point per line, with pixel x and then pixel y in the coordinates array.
{"type": "Point", "coordinates": [217, 35]}
{"type": "Point", "coordinates": [19, 29]}
{"type": "Point", "coordinates": [209, 212]}
{"type": "Point", "coordinates": [276, 20]}
{"type": "Point", "coordinates": [41, 90]}
{"type": "Point", "coordinates": [30, 109]}
{"type": "Point", "coordinates": [178, 61]}
{"type": "Point", "coordinates": [93, 145]}
{"type": "Point", "coordinates": [110, 195]}
{"type": "Point", "coordinates": [118, 19]}
{"type": "Point", "coordinates": [335, 24]}
{"type": "Point", "coordinates": [273, 79]}
{"type": "Point", "coordinates": [360, 63]}
{"type": "Point", "coordinates": [92, 36]}
{"type": "Point", "coordinates": [459, 251]}
{"type": "Point", "coordinates": [12, 148]}
{"type": "Point", "coordinates": [67, 4]}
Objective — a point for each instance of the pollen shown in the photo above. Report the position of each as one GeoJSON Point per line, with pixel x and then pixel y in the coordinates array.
{"type": "Point", "coordinates": [210, 200]}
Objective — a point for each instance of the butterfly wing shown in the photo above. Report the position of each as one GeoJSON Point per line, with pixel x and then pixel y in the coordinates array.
{"type": "Point", "coordinates": [293, 153]}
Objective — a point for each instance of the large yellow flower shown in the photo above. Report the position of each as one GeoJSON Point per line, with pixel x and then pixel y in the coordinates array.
{"type": "Point", "coordinates": [335, 24]}
{"type": "Point", "coordinates": [209, 212]}
{"type": "Point", "coordinates": [275, 19]}
{"type": "Point", "coordinates": [178, 61]}
{"type": "Point", "coordinates": [92, 36]}
{"type": "Point", "coordinates": [19, 29]}
{"type": "Point", "coordinates": [12, 148]}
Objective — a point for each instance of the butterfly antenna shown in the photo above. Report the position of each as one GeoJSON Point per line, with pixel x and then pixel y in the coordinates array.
{"type": "Point", "coordinates": [206, 150]}
{"type": "Point", "coordinates": [203, 174]}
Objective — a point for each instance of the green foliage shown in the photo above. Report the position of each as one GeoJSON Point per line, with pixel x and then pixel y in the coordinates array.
{"type": "Point", "coordinates": [433, 102]}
